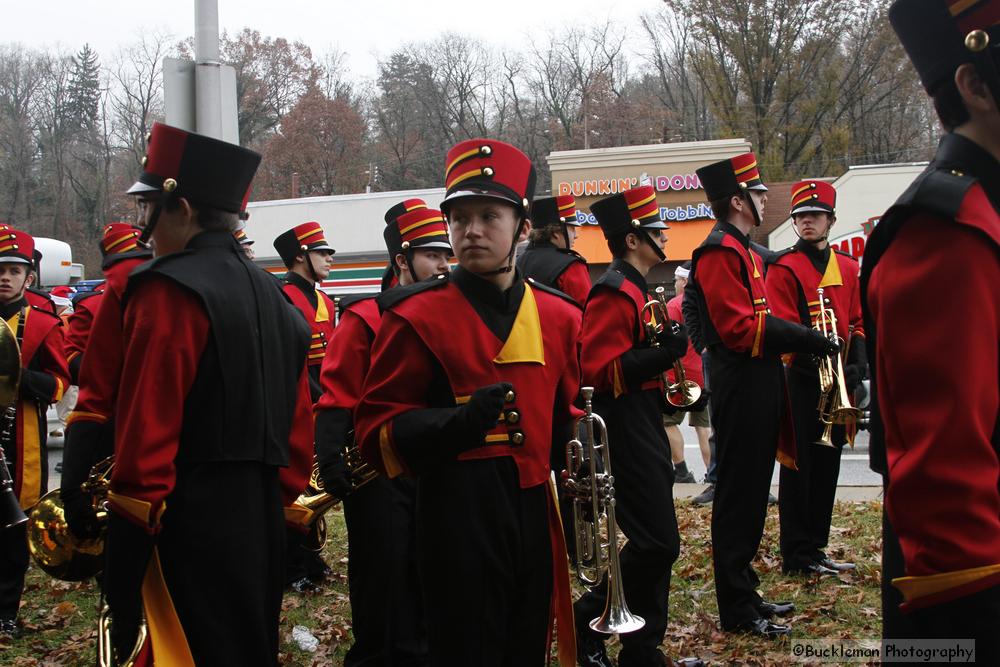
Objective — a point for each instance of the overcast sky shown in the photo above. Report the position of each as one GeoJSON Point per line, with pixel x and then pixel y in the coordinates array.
{"type": "Point", "coordinates": [365, 29]}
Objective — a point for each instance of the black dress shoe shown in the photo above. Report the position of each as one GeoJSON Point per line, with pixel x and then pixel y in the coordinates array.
{"type": "Point", "coordinates": [839, 567]}
{"type": "Point", "coordinates": [304, 586]}
{"type": "Point", "coordinates": [686, 662]}
{"type": "Point", "coordinates": [591, 652]}
{"type": "Point", "coordinates": [812, 569]}
{"type": "Point", "coordinates": [9, 629]}
{"type": "Point", "coordinates": [763, 628]}
{"type": "Point", "coordinates": [772, 609]}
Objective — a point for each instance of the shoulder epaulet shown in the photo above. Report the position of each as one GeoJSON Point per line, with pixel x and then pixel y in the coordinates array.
{"type": "Point", "coordinates": [552, 290]}
{"type": "Point", "coordinates": [83, 296]}
{"type": "Point", "coordinates": [714, 238]}
{"type": "Point", "coordinates": [47, 313]}
{"type": "Point", "coordinates": [345, 302]}
{"type": "Point", "coordinates": [573, 253]}
{"type": "Point", "coordinates": [845, 254]}
{"type": "Point", "coordinates": [391, 297]}
{"type": "Point", "coordinates": [939, 191]}
{"type": "Point", "coordinates": [765, 253]}
{"type": "Point", "coordinates": [612, 279]}
{"type": "Point", "coordinates": [778, 254]}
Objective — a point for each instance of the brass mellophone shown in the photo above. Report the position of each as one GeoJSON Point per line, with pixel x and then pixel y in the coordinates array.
{"type": "Point", "coordinates": [683, 393]}
{"type": "Point", "coordinates": [834, 404]}
{"type": "Point", "coordinates": [589, 483]}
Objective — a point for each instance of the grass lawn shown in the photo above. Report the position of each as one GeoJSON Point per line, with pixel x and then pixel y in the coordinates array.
{"type": "Point", "coordinates": [61, 619]}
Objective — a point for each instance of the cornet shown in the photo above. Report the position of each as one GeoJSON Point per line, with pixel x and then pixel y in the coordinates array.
{"type": "Point", "coordinates": [588, 481]}
{"type": "Point", "coordinates": [683, 393]}
{"type": "Point", "coordinates": [834, 405]}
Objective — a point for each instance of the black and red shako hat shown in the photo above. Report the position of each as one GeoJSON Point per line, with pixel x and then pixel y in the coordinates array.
{"type": "Point", "coordinates": [629, 211]}
{"type": "Point", "coordinates": [488, 168]}
{"type": "Point", "coordinates": [16, 247]}
{"type": "Point", "coordinates": [818, 196]}
{"type": "Point", "coordinates": [299, 240]}
{"type": "Point", "coordinates": [413, 226]}
{"type": "Point", "coordinates": [940, 35]}
{"type": "Point", "coordinates": [121, 241]}
{"type": "Point", "coordinates": [730, 177]}
{"type": "Point", "coordinates": [559, 210]}
{"type": "Point", "coordinates": [203, 170]}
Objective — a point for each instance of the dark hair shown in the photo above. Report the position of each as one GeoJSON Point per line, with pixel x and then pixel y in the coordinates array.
{"type": "Point", "coordinates": [210, 219]}
{"type": "Point", "coordinates": [617, 245]}
{"type": "Point", "coordinates": [542, 234]}
{"type": "Point", "coordinates": [686, 265]}
{"type": "Point", "coordinates": [949, 105]}
{"type": "Point", "coordinates": [720, 208]}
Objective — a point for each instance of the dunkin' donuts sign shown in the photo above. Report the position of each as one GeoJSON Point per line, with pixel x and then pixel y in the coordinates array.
{"type": "Point", "coordinates": [599, 187]}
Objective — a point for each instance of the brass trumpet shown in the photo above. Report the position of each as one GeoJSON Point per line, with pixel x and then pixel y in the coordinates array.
{"type": "Point", "coordinates": [683, 393]}
{"type": "Point", "coordinates": [106, 655]}
{"type": "Point", "coordinates": [319, 502]}
{"type": "Point", "coordinates": [589, 482]}
{"type": "Point", "coordinates": [834, 404]}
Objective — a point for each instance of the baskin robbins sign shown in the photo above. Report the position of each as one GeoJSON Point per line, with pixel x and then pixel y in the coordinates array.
{"type": "Point", "coordinates": [601, 187]}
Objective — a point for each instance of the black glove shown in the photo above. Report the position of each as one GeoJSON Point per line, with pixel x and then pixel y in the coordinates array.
{"type": "Point", "coordinates": [482, 411]}
{"type": "Point", "coordinates": [674, 342]}
{"type": "Point", "coordinates": [81, 518]}
{"type": "Point", "coordinates": [820, 345]}
{"type": "Point", "coordinates": [852, 377]}
{"type": "Point", "coordinates": [336, 476]}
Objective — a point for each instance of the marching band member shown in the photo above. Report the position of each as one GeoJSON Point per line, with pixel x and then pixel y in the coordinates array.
{"type": "Point", "coordinates": [807, 492]}
{"type": "Point", "coordinates": [386, 614]}
{"type": "Point", "coordinates": [213, 399]}
{"type": "Point", "coordinates": [95, 358]}
{"type": "Point", "coordinates": [929, 289]}
{"type": "Point", "coordinates": [470, 375]}
{"type": "Point", "coordinates": [617, 360]}
{"type": "Point", "coordinates": [747, 380]}
{"type": "Point", "coordinates": [44, 377]}
{"type": "Point", "coordinates": [308, 258]}
{"type": "Point", "coordinates": [549, 257]}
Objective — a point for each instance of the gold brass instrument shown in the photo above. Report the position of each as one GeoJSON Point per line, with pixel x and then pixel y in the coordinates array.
{"type": "Point", "coordinates": [105, 647]}
{"type": "Point", "coordinates": [11, 513]}
{"type": "Point", "coordinates": [682, 393]}
{"type": "Point", "coordinates": [589, 483]}
{"type": "Point", "coordinates": [834, 404]}
{"type": "Point", "coordinates": [53, 547]}
{"type": "Point", "coordinates": [318, 501]}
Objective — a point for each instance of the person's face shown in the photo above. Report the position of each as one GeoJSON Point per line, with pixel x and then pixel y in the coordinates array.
{"type": "Point", "coordinates": [429, 262]}
{"type": "Point", "coordinates": [571, 234]}
{"type": "Point", "coordinates": [173, 227]}
{"type": "Point", "coordinates": [759, 198]}
{"type": "Point", "coordinates": [248, 251]}
{"type": "Point", "coordinates": [659, 237]}
{"type": "Point", "coordinates": [679, 284]}
{"type": "Point", "coordinates": [13, 280]}
{"type": "Point", "coordinates": [812, 225]}
{"type": "Point", "coordinates": [322, 262]}
{"type": "Point", "coordinates": [482, 230]}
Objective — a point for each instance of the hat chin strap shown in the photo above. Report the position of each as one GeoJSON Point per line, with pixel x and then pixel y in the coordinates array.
{"type": "Point", "coordinates": [753, 207]}
{"type": "Point", "coordinates": [826, 234]}
{"type": "Point", "coordinates": [508, 264]}
{"type": "Point", "coordinates": [657, 249]}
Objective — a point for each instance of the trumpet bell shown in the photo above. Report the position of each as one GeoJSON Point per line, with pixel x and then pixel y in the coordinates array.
{"type": "Point", "coordinates": [55, 549]}
{"type": "Point", "coordinates": [683, 394]}
{"type": "Point", "coordinates": [617, 621]}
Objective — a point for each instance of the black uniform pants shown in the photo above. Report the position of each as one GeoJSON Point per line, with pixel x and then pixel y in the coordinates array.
{"type": "Point", "coordinates": [640, 463]}
{"type": "Point", "coordinates": [806, 495]}
{"type": "Point", "coordinates": [746, 408]}
{"type": "Point", "coordinates": [386, 608]}
{"type": "Point", "coordinates": [975, 616]}
{"type": "Point", "coordinates": [895, 624]}
{"type": "Point", "coordinates": [222, 551]}
{"type": "Point", "coordinates": [485, 562]}
{"type": "Point", "coordinates": [13, 565]}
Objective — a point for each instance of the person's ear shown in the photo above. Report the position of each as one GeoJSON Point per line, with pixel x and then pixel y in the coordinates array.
{"type": "Point", "coordinates": [525, 230]}
{"type": "Point", "coordinates": [973, 90]}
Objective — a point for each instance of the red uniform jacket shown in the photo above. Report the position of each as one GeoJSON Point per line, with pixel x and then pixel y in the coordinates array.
{"type": "Point", "coordinates": [691, 361]}
{"type": "Point", "coordinates": [320, 318]}
{"type": "Point", "coordinates": [933, 298]}
{"type": "Point", "coordinates": [78, 328]}
{"type": "Point", "coordinates": [792, 281]}
{"type": "Point", "coordinates": [439, 327]}
{"type": "Point", "coordinates": [44, 378]}
{"type": "Point", "coordinates": [575, 282]}
{"type": "Point", "coordinates": [349, 356]}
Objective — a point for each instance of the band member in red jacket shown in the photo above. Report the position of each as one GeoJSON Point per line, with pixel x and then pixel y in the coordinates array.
{"type": "Point", "coordinates": [929, 289]}
{"type": "Point", "coordinates": [471, 374]}
{"type": "Point", "coordinates": [549, 257]}
{"type": "Point", "coordinates": [212, 402]}
{"type": "Point", "coordinates": [44, 378]}
{"type": "Point", "coordinates": [748, 387]}
{"type": "Point", "coordinates": [793, 280]}
{"type": "Point", "coordinates": [625, 369]}
{"type": "Point", "coordinates": [96, 360]}
{"type": "Point", "coordinates": [387, 618]}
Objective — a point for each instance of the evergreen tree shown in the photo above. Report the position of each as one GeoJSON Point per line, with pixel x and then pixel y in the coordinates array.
{"type": "Point", "coordinates": [84, 90]}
